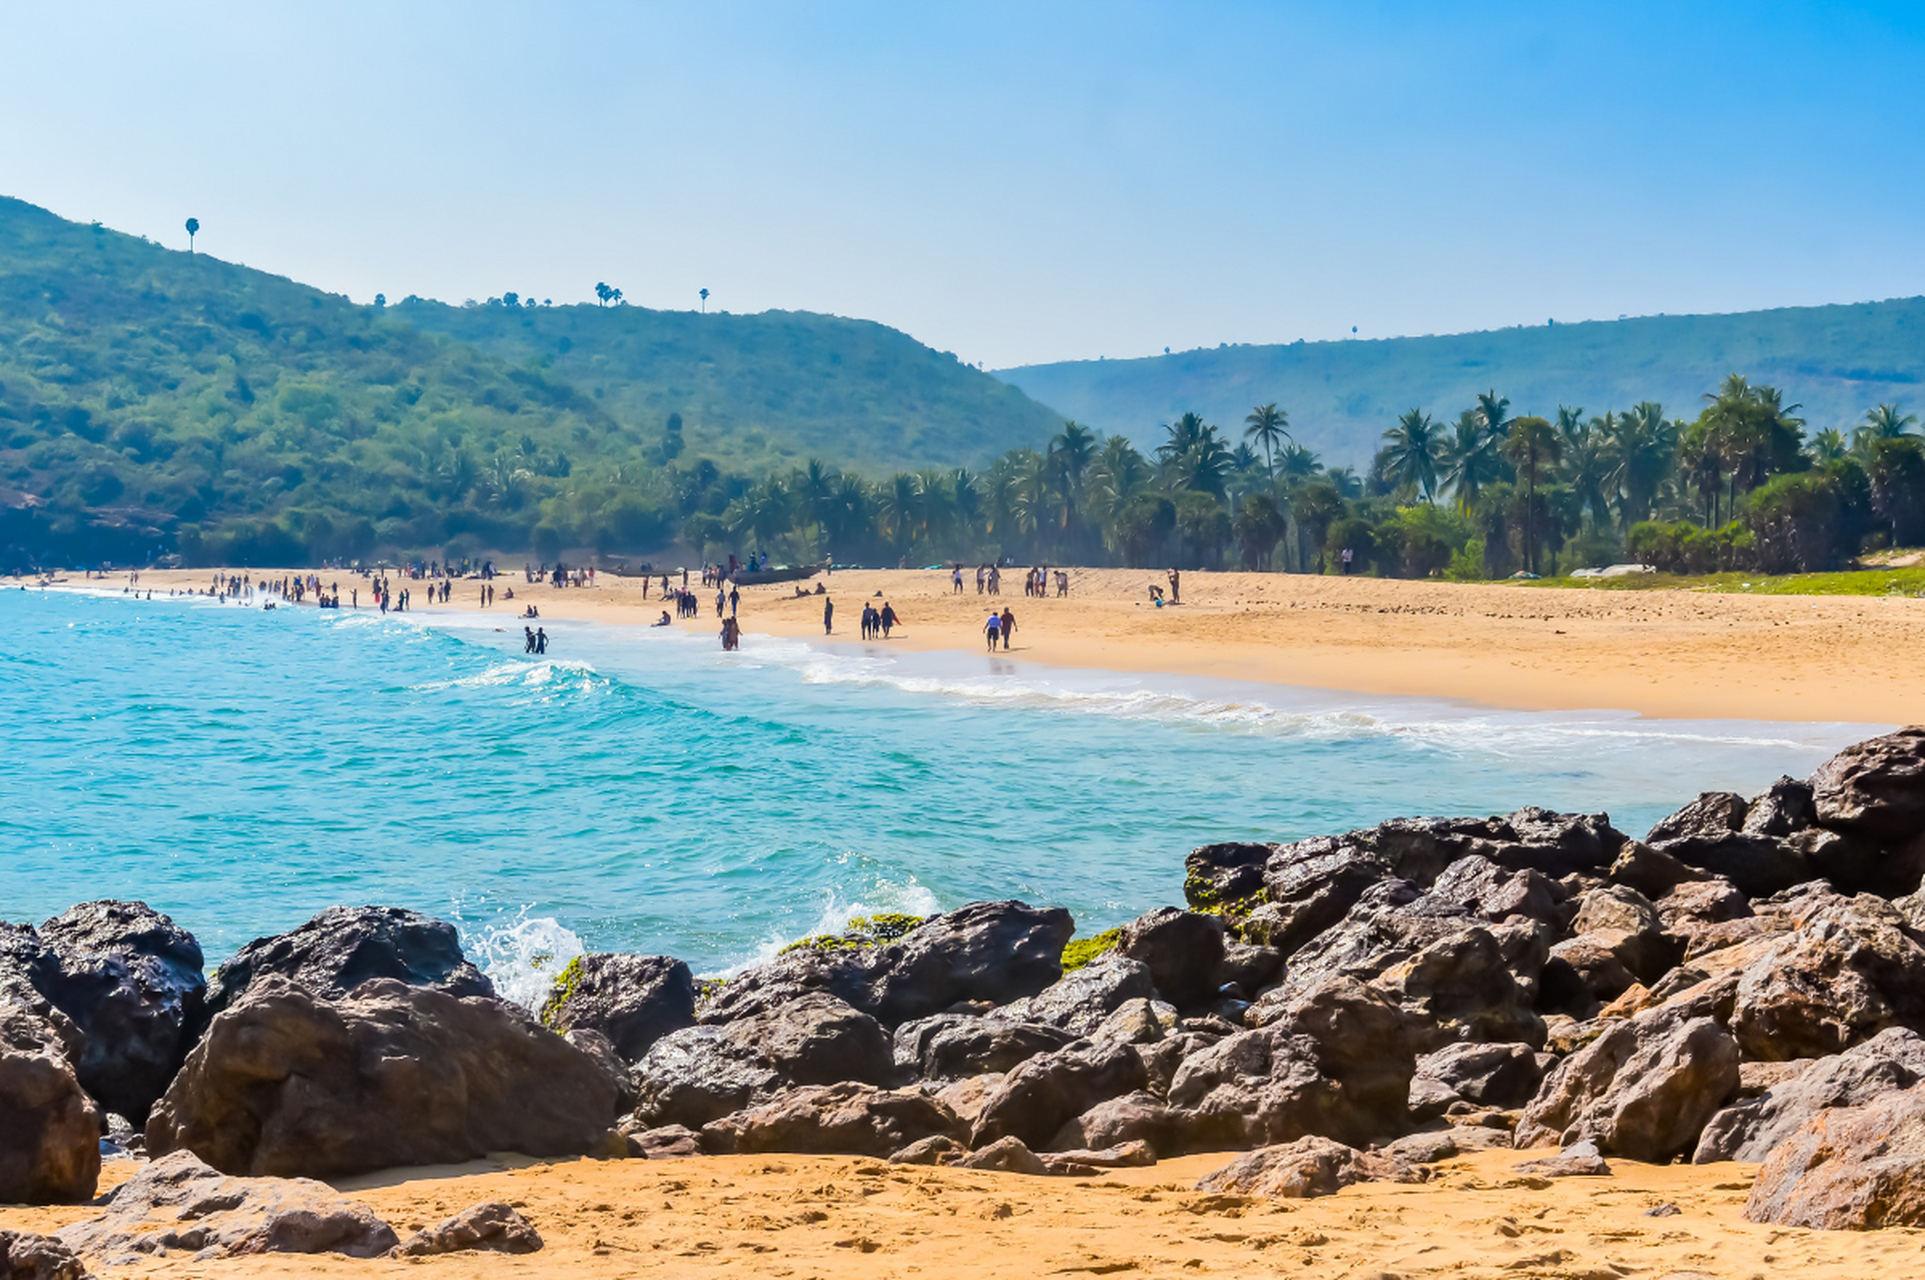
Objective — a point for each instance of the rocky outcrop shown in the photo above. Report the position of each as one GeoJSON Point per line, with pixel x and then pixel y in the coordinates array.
{"type": "Point", "coordinates": [1848, 969]}
{"type": "Point", "coordinates": [1216, 874]}
{"type": "Point", "coordinates": [1183, 951]}
{"type": "Point", "coordinates": [131, 981]}
{"type": "Point", "coordinates": [1135, 1117]}
{"type": "Point", "coordinates": [1005, 1155]}
{"type": "Point", "coordinates": [633, 1000]}
{"type": "Point", "coordinates": [1080, 1000]}
{"type": "Point", "coordinates": [989, 951]}
{"type": "Point", "coordinates": [1848, 1168]}
{"type": "Point", "coordinates": [289, 1082]}
{"type": "Point", "coordinates": [950, 1046]}
{"type": "Point", "coordinates": [1039, 1097]}
{"type": "Point", "coordinates": [701, 1073]}
{"type": "Point", "coordinates": [1474, 1076]}
{"type": "Point", "coordinates": [1311, 885]}
{"type": "Point", "coordinates": [1749, 1129]}
{"type": "Point", "coordinates": [343, 947]}
{"type": "Point", "coordinates": [488, 1227]}
{"type": "Point", "coordinates": [1875, 789]}
{"type": "Point", "coordinates": [1642, 1090]}
{"type": "Point", "coordinates": [1302, 1169]}
{"type": "Point", "coordinates": [838, 1119]}
{"type": "Point", "coordinates": [179, 1205]}
{"type": "Point", "coordinates": [27, 1256]}
{"type": "Point", "coordinates": [49, 1127]}
{"type": "Point", "coordinates": [1709, 835]}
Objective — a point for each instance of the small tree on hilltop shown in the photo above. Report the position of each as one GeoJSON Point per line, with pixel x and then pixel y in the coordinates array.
{"type": "Point", "coordinates": [193, 229]}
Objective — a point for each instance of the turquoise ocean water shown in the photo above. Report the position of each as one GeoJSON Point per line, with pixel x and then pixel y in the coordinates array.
{"type": "Point", "coordinates": [640, 790]}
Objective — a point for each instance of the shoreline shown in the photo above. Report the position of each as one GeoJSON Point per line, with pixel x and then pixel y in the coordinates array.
{"type": "Point", "coordinates": [1657, 654]}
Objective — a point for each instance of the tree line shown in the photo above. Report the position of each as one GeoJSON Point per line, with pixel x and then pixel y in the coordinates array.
{"type": "Point", "coordinates": [1742, 485]}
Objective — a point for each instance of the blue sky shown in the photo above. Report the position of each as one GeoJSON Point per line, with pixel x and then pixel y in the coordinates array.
{"type": "Point", "coordinates": [1014, 182]}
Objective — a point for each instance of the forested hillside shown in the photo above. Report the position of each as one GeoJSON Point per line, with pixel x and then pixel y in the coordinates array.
{"type": "Point", "coordinates": [1342, 396]}
{"type": "Point", "coordinates": [156, 402]}
{"type": "Point", "coordinates": [762, 390]}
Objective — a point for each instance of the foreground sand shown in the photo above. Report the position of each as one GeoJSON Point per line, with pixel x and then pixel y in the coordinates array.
{"type": "Point", "coordinates": [813, 1216]}
{"type": "Point", "coordinates": [1660, 653]}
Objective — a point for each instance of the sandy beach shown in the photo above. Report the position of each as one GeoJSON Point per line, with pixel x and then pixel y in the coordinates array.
{"type": "Point", "coordinates": [822, 1216]}
{"type": "Point", "coordinates": [1680, 654]}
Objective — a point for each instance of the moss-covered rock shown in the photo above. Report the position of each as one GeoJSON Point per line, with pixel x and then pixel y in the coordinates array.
{"type": "Point", "coordinates": [862, 931]}
{"type": "Point", "coordinates": [1080, 951]}
{"type": "Point", "coordinates": [566, 984]}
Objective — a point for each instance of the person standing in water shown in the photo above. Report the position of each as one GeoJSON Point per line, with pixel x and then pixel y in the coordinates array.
{"type": "Point", "coordinates": [541, 640]}
{"type": "Point", "coordinates": [529, 632]}
{"type": "Point", "coordinates": [1009, 626]}
{"type": "Point", "coordinates": [828, 616]}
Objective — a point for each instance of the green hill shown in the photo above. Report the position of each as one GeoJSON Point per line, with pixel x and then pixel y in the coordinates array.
{"type": "Point", "coordinates": [1838, 361]}
{"type": "Point", "coordinates": [770, 389]}
{"type": "Point", "coordinates": [155, 401]}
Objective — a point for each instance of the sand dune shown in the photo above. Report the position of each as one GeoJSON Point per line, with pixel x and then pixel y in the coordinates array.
{"type": "Point", "coordinates": [804, 1216]}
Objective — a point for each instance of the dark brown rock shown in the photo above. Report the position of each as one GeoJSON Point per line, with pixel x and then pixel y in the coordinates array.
{"type": "Point", "coordinates": [1216, 874]}
{"type": "Point", "coordinates": [289, 1082]}
{"type": "Point", "coordinates": [1785, 807]}
{"type": "Point", "coordinates": [1005, 1155]}
{"type": "Point", "coordinates": [633, 1000]}
{"type": "Point", "coordinates": [1848, 1169]}
{"type": "Point", "coordinates": [1848, 970]}
{"type": "Point", "coordinates": [838, 1119]}
{"type": "Point", "coordinates": [179, 1205]}
{"type": "Point", "coordinates": [1183, 951]}
{"type": "Point", "coordinates": [1580, 1160]}
{"type": "Point", "coordinates": [701, 1073]}
{"type": "Point", "coordinates": [950, 1046]}
{"type": "Point", "coordinates": [1495, 893]}
{"type": "Point", "coordinates": [993, 951]}
{"type": "Point", "coordinates": [1311, 885]}
{"type": "Point", "coordinates": [1875, 789]}
{"type": "Point", "coordinates": [1650, 872]}
{"type": "Point", "coordinates": [1133, 1118]}
{"type": "Point", "coordinates": [1642, 1090]}
{"type": "Point", "coordinates": [49, 1127]}
{"type": "Point", "coordinates": [1748, 1130]}
{"type": "Point", "coordinates": [1481, 1075]}
{"type": "Point", "coordinates": [26, 1256]}
{"type": "Point", "coordinates": [131, 981]}
{"type": "Point", "coordinates": [488, 1227]}
{"type": "Point", "coordinates": [1080, 1000]}
{"type": "Point", "coordinates": [938, 1149]}
{"type": "Point", "coordinates": [1709, 834]}
{"type": "Point", "coordinates": [1036, 1099]}
{"type": "Point", "coordinates": [343, 947]}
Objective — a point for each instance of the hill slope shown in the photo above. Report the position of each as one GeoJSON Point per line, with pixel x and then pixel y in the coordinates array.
{"type": "Point", "coordinates": [1837, 360]}
{"type": "Point", "coordinates": [152, 400]}
{"type": "Point", "coordinates": [763, 390]}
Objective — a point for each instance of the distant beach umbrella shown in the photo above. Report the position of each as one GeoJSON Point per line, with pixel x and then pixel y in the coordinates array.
{"type": "Point", "coordinates": [193, 228]}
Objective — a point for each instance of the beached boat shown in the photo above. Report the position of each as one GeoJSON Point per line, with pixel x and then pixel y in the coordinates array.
{"type": "Point", "coordinates": [785, 573]}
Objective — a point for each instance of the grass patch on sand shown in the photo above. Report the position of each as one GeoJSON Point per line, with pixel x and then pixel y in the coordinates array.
{"type": "Point", "coordinates": [1909, 581]}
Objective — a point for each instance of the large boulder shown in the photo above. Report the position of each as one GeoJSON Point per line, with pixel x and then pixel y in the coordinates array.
{"type": "Point", "coordinates": [1218, 874]}
{"type": "Point", "coordinates": [1360, 1037]}
{"type": "Point", "coordinates": [1081, 999]}
{"type": "Point", "coordinates": [701, 1073]}
{"type": "Point", "coordinates": [343, 947]}
{"type": "Point", "coordinates": [1039, 1097]}
{"type": "Point", "coordinates": [1709, 835]}
{"type": "Point", "coordinates": [1183, 951]}
{"type": "Point", "coordinates": [131, 981]}
{"type": "Point", "coordinates": [25, 1255]}
{"type": "Point", "coordinates": [1642, 1090]}
{"type": "Point", "coordinates": [1134, 1117]}
{"type": "Point", "coordinates": [847, 973]}
{"type": "Point", "coordinates": [1635, 928]}
{"type": "Point", "coordinates": [1781, 809]}
{"type": "Point", "coordinates": [839, 1119]}
{"type": "Point", "coordinates": [1848, 1168]}
{"type": "Point", "coordinates": [49, 1127]}
{"type": "Point", "coordinates": [990, 951]}
{"type": "Point", "coordinates": [1258, 1088]}
{"type": "Point", "coordinates": [950, 1046]}
{"type": "Point", "coordinates": [1875, 789]}
{"type": "Point", "coordinates": [489, 1227]}
{"type": "Point", "coordinates": [289, 1082]}
{"type": "Point", "coordinates": [178, 1205]}
{"type": "Point", "coordinates": [1848, 969]}
{"type": "Point", "coordinates": [1496, 893]}
{"type": "Point", "coordinates": [633, 1000]}
{"type": "Point", "coordinates": [1749, 1129]}
{"type": "Point", "coordinates": [1311, 885]}
{"type": "Point", "coordinates": [1478, 1076]}
{"type": "Point", "coordinates": [1310, 1166]}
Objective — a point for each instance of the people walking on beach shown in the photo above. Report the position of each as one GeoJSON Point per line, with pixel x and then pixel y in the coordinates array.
{"type": "Point", "coordinates": [995, 581]}
{"type": "Point", "coordinates": [888, 618]}
{"type": "Point", "coordinates": [993, 629]}
{"type": "Point", "coordinates": [1062, 584]}
{"type": "Point", "coordinates": [956, 577]}
{"type": "Point", "coordinates": [982, 572]}
{"type": "Point", "coordinates": [735, 598]}
{"type": "Point", "coordinates": [828, 616]}
{"type": "Point", "coordinates": [1009, 626]}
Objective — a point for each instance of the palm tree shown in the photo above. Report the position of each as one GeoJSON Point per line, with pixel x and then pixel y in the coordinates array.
{"type": "Point", "coordinates": [1493, 410]}
{"type": "Point", "coordinates": [1180, 435]}
{"type": "Point", "coordinates": [1884, 422]}
{"type": "Point", "coordinates": [1639, 448]}
{"type": "Point", "coordinates": [1411, 452]}
{"type": "Point", "coordinates": [1472, 461]}
{"type": "Point", "coordinates": [1298, 462]}
{"type": "Point", "coordinates": [601, 293]}
{"type": "Point", "coordinates": [1585, 463]}
{"type": "Point", "coordinates": [1268, 426]}
{"type": "Point", "coordinates": [1829, 445]}
{"type": "Point", "coordinates": [1532, 443]}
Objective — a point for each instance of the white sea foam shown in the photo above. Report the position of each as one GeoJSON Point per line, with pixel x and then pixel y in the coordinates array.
{"type": "Point", "coordinates": [883, 897]}
{"type": "Point", "coordinates": [523, 956]}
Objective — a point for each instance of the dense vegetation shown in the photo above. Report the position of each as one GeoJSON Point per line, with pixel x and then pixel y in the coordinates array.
{"type": "Point", "coordinates": [1739, 486]}
{"type": "Point", "coordinates": [1835, 360]}
{"type": "Point", "coordinates": [156, 402]}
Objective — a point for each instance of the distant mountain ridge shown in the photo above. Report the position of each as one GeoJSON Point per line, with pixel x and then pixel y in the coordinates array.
{"type": "Point", "coordinates": [1838, 361]}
